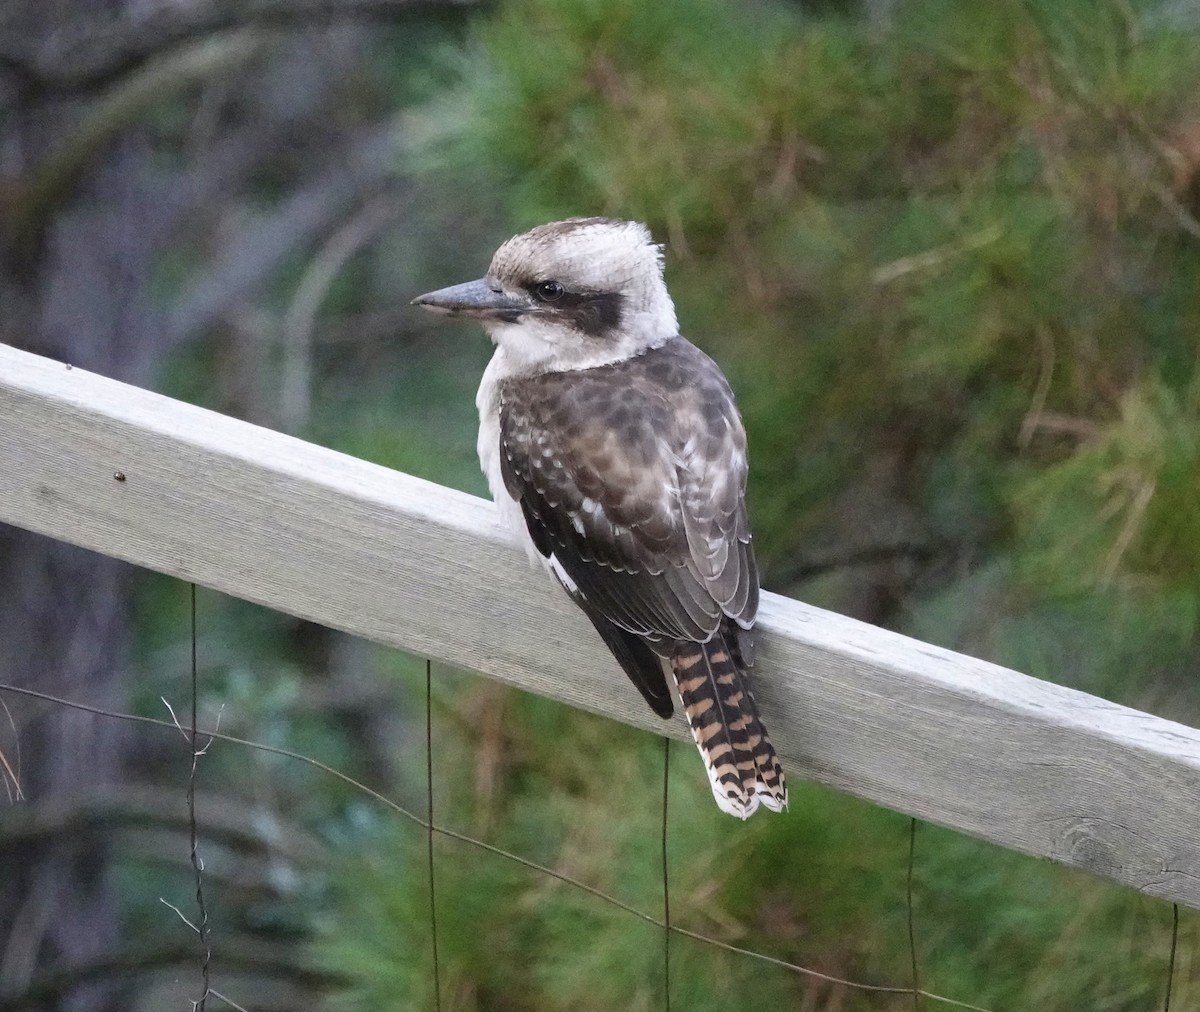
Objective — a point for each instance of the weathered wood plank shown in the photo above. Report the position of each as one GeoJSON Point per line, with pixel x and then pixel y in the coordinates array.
{"type": "Point", "coordinates": [1023, 763]}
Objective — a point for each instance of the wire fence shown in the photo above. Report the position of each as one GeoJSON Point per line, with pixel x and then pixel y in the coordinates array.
{"type": "Point", "coordinates": [200, 739]}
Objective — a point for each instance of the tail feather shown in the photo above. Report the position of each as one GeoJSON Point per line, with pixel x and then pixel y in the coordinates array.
{"type": "Point", "coordinates": [743, 769]}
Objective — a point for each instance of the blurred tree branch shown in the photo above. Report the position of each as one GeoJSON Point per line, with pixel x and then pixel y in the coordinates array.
{"type": "Point", "coordinates": [796, 570]}
{"type": "Point", "coordinates": [139, 150]}
{"type": "Point", "coordinates": [87, 55]}
{"type": "Point", "coordinates": [28, 200]}
{"type": "Point", "coordinates": [254, 255]}
{"type": "Point", "coordinates": [246, 952]}
{"type": "Point", "coordinates": [230, 821]}
{"type": "Point", "coordinates": [300, 320]}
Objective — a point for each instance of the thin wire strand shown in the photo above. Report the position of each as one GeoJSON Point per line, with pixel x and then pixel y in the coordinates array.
{"type": "Point", "coordinates": [197, 864]}
{"type": "Point", "coordinates": [666, 878]}
{"type": "Point", "coordinates": [499, 852]}
{"type": "Point", "coordinates": [1171, 962]}
{"type": "Point", "coordinates": [433, 931]}
{"type": "Point", "coordinates": [228, 1001]}
{"type": "Point", "coordinates": [912, 934]}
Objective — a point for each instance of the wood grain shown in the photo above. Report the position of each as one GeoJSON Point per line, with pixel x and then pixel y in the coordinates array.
{"type": "Point", "coordinates": [1020, 762]}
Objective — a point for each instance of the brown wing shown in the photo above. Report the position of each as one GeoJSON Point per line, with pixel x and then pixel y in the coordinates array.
{"type": "Point", "coordinates": [632, 476]}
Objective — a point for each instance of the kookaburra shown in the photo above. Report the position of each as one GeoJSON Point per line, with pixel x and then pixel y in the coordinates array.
{"type": "Point", "coordinates": [614, 450]}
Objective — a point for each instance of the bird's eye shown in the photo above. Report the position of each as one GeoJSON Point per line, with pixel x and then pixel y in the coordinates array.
{"type": "Point", "coordinates": [549, 291]}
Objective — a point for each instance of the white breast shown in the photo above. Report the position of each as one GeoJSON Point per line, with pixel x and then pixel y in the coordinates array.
{"type": "Point", "coordinates": [488, 447]}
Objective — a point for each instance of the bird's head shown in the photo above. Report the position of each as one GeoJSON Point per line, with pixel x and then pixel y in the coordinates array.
{"type": "Point", "coordinates": [569, 295]}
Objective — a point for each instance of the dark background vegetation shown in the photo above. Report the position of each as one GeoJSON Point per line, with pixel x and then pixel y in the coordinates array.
{"type": "Point", "coordinates": [948, 254]}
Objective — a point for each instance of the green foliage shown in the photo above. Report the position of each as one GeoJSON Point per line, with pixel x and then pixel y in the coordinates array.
{"type": "Point", "coordinates": [823, 886]}
{"type": "Point", "coordinates": [950, 270]}
{"type": "Point", "coordinates": [418, 415]}
{"type": "Point", "coordinates": [1123, 504]}
{"type": "Point", "coordinates": [952, 242]}
{"type": "Point", "coordinates": [510, 937]}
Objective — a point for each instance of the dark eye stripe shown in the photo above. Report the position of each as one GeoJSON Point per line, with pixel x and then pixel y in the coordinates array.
{"type": "Point", "coordinates": [594, 314]}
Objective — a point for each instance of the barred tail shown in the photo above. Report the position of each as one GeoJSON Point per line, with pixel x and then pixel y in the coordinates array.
{"type": "Point", "coordinates": [742, 766]}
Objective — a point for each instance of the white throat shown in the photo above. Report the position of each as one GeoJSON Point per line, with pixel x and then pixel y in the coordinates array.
{"type": "Point", "coordinates": [532, 345]}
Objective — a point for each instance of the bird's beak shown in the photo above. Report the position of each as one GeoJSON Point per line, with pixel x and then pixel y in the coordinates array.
{"type": "Point", "coordinates": [475, 298]}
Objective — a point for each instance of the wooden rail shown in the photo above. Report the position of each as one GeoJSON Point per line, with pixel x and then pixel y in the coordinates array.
{"type": "Point", "coordinates": [957, 741]}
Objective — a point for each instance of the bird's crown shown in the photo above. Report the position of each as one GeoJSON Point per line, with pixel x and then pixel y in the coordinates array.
{"type": "Point", "coordinates": [585, 254]}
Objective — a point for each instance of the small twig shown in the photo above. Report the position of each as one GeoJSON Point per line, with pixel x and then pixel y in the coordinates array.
{"type": "Point", "coordinates": [1129, 529]}
{"type": "Point", "coordinates": [934, 258]}
{"type": "Point", "coordinates": [11, 783]}
{"type": "Point", "coordinates": [187, 735]}
{"type": "Point", "coordinates": [1082, 429]}
{"type": "Point", "coordinates": [1031, 422]}
{"type": "Point", "coordinates": [167, 903]}
{"type": "Point", "coordinates": [14, 792]}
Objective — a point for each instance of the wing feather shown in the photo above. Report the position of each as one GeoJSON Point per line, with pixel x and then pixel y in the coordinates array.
{"type": "Point", "coordinates": [632, 477]}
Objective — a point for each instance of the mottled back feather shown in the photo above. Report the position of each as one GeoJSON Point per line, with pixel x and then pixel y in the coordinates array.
{"type": "Point", "coordinates": [639, 468]}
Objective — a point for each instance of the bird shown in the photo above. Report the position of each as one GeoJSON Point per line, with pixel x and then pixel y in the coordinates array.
{"type": "Point", "coordinates": [616, 454]}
